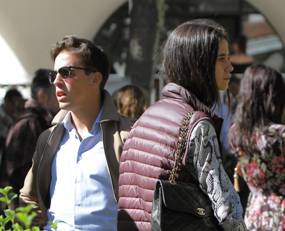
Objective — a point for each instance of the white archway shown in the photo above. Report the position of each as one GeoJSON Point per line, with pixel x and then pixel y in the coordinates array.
{"type": "Point", "coordinates": [273, 10]}
{"type": "Point", "coordinates": [30, 27]}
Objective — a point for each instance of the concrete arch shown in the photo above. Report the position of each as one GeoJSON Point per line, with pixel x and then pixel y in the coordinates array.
{"type": "Point", "coordinates": [274, 12]}
{"type": "Point", "coordinates": [30, 27]}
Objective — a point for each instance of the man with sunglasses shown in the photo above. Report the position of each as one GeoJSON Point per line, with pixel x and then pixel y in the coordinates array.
{"type": "Point", "coordinates": [75, 169]}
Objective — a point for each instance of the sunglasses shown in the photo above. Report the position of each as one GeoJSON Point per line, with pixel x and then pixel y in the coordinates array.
{"type": "Point", "coordinates": [67, 72]}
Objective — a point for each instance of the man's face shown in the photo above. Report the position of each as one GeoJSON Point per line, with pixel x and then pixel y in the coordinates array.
{"type": "Point", "coordinates": [79, 89]}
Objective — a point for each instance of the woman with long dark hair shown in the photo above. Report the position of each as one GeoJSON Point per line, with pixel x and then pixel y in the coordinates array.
{"type": "Point", "coordinates": [258, 139]}
{"type": "Point", "coordinates": [196, 66]}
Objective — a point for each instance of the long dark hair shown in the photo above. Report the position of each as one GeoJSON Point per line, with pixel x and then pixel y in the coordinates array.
{"type": "Point", "coordinates": [190, 55]}
{"type": "Point", "coordinates": [261, 102]}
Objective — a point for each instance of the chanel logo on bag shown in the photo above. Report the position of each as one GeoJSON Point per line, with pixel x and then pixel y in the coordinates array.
{"type": "Point", "coordinates": [200, 211]}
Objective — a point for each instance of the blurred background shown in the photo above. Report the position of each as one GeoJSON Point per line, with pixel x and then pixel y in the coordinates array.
{"type": "Point", "coordinates": [132, 34]}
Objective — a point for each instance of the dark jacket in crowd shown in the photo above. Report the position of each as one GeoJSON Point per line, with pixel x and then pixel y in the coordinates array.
{"type": "Point", "coordinates": [20, 145]}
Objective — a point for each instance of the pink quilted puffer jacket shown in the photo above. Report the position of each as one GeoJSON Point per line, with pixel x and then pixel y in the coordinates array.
{"type": "Point", "coordinates": [148, 155]}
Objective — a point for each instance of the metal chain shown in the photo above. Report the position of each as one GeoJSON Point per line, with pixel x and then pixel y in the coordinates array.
{"type": "Point", "coordinates": [181, 146]}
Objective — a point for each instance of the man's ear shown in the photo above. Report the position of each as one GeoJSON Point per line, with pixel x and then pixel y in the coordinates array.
{"type": "Point", "coordinates": [96, 78]}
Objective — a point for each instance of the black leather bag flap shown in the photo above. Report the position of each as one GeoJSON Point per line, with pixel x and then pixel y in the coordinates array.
{"type": "Point", "coordinates": [187, 198]}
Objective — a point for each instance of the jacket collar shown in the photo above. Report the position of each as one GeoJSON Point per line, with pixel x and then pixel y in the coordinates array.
{"type": "Point", "coordinates": [109, 111]}
{"type": "Point", "coordinates": [175, 91]}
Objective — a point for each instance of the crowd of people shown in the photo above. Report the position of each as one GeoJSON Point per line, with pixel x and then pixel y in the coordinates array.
{"type": "Point", "coordinates": [88, 160]}
{"type": "Point", "coordinates": [22, 135]}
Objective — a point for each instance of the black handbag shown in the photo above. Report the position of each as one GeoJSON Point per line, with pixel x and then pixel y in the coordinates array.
{"type": "Point", "coordinates": [181, 206]}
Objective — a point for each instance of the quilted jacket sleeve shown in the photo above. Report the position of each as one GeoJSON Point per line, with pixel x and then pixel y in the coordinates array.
{"type": "Point", "coordinates": [205, 155]}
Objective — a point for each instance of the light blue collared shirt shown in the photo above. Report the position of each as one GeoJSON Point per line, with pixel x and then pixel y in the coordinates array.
{"type": "Point", "coordinates": [82, 196]}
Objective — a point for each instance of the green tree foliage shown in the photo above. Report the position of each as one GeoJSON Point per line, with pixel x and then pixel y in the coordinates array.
{"type": "Point", "coordinates": [19, 219]}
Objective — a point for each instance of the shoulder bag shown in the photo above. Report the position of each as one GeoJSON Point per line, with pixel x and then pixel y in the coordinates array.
{"type": "Point", "coordinates": [179, 206]}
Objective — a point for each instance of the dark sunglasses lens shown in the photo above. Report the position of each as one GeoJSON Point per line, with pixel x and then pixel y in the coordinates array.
{"type": "Point", "coordinates": [64, 72]}
{"type": "Point", "coordinates": [51, 76]}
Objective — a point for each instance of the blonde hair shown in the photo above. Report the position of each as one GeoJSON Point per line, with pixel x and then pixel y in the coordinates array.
{"type": "Point", "coordinates": [130, 101]}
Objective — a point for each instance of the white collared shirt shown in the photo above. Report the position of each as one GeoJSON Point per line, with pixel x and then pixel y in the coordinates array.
{"type": "Point", "coordinates": [81, 192]}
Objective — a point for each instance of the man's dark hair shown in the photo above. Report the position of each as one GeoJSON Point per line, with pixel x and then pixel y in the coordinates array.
{"type": "Point", "coordinates": [40, 81]}
{"type": "Point", "coordinates": [11, 94]}
{"type": "Point", "coordinates": [91, 55]}
{"type": "Point", "coordinates": [190, 55]}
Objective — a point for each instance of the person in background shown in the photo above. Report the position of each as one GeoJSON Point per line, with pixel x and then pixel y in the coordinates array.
{"type": "Point", "coordinates": [225, 109]}
{"type": "Point", "coordinates": [22, 136]}
{"type": "Point", "coordinates": [9, 111]}
{"type": "Point", "coordinates": [74, 181]}
{"type": "Point", "coordinates": [234, 86]}
{"type": "Point", "coordinates": [257, 138]}
{"type": "Point", "coordinates": [196, 65]}
{"type": "Point", "coordinates": [239, 58]}
{"type": "Point", "coordinates": [130, 101]}
{"type": "Point", "coordinates": [12, 106]}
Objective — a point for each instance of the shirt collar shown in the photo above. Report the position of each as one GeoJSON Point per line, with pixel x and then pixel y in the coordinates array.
{"type": "Point", "coordinates": [69, 126]}
{"type": "Point", "coordinates": [96, 124]}
{"type": "Point", "coordinates": [67, 122]}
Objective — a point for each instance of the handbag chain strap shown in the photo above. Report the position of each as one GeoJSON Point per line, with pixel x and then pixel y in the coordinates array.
{"type": "Point", "coordinates": [181, 146]}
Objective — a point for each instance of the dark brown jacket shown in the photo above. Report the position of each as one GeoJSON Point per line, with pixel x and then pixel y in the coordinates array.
{"type": "Point", "coordinates": [20, 146]}
{"type": "Point", "coordinates": [114, 131]}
